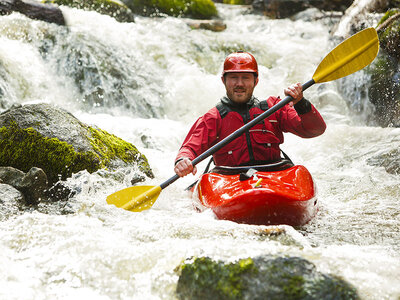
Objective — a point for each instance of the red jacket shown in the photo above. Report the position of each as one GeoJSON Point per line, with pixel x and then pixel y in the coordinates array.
{"type": "Point", "coordinates": [260, 144]}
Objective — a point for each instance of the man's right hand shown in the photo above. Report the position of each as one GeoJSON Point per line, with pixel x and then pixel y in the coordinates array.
{"type": "Point", "coordinates": [185, 167]}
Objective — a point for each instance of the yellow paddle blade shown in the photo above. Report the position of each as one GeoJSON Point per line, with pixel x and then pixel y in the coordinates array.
{"type": "Point", "coordinates": [135, 198]}
{"type": "Point", "coordinates": [348, 57]}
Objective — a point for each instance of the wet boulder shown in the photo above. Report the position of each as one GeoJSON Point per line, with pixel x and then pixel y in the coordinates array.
{"type": "Point", "coordinates": [263, 277]}
{"type": "Point", "coordinates": [20, 192]}
{"type": "Point", "coordinates": [279, 9]}
{"type": "Point", "coordinates": [50, 138]}
{"type": "Point", "coordinates": [212, 25]}
{"type": "Point", "coordinates": [384, 89]}
{"type": "Point", "coordinates": [113, 8]}
{"type": "Point", "coordinates": [196, 9]}
{"type": "Point", "coordinates": [32, 184]}
{"type": "Point", "coordinates": [359, 15]}
{"type": "Point", "coordinates": [33, 10]}
{"type": "Point", "coordinates": [276, 9]}
{"type": "Point", "coordinates": [34, 187]}
{"type": "Point", "coordinates": [389, 33]}
{"type": "Point", "coordinates": [10, 200]}
{"type": "Point", "coordinates": [379, 83]}
{"type": "Point", "coordinates": [331, 5]}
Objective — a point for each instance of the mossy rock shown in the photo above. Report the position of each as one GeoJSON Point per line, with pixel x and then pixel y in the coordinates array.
{"type": "Point", "coordinates": [380, 83]}
{"type": "Point", "coordinates": [197, 9]}
{"type": "Point", "coordinates": [389, 37]}
{"type": "Point", "coordinates": [113, 8]}
{"type": "Point", "coordinates": [207, 279]}
{"type": "Point", "coordinates": [44, 136]}
{"type": "Point", "coordinates": [264, 277]}
{"type": "Point", "coordinates": [384, 83]}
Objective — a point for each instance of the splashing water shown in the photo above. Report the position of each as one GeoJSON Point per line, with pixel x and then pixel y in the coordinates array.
{"type": "Point", "coordinates": [147, 82]}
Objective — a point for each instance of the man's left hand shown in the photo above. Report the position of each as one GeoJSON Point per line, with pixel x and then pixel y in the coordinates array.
{"type": "Point", "coordinates": [296, 91]}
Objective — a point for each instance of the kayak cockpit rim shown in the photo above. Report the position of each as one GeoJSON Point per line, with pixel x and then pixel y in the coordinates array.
{"type": "Point", "coordinates": [283, 164]}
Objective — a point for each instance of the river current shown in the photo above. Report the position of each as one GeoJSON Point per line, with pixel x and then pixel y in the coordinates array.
{"type": "Point", "coordinates": [156, 77]}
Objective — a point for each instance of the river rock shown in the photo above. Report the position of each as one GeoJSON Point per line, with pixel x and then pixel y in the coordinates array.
{"type": "Point", "coordinates": [384, 91]}
{"type": "Point", "coordinates": [279, 9]}
{"type": "Point", "coordinates": [196, 9]}
{"type": "Point", "coordinates": [50, 138]}
{"type": "Point", "coordinates": [113, 8]}
{"type": "Point", "coordinates": [380, 83]}
{"type": "Point", "coordinates": [212, 25]}
{"type": "Point", "coordinates": [10, 200]}
{"type": "Point", "coordinates": [32, 184]}
{"type": "Point", "coordinates": [276, 9]}
{"type": "Point", "coordinates": [361, 14]}
{"type": "Point", "coordinates": [33, 10]}
{"type": "Point", "coordinates": [384, 88]}
{"type": "Point", "coordinates": [11, 176]}
{"type": "Point", "coordinates": [329, 19]}
{"type": "Point", "coordinates": [331, 5]}
{"type": "Point", "coordinates": [389, 33]}
{"type": "Point", "coordinates": [263, 277]}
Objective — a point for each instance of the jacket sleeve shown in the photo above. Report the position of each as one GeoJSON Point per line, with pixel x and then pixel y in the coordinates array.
{"type": "Point", "coordinates": [303, 120]}
{"type": "Point", "coordinates": [201, 136]}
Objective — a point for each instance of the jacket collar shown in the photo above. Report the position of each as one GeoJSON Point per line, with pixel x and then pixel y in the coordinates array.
{"type": "Point", "coordinates": [225, 100]}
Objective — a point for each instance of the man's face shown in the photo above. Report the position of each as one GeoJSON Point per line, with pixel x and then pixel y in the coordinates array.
{"type": "Point", "coordinates": [239, 86]}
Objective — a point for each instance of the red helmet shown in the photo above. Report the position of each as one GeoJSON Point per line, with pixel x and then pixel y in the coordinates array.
{"type": "Point", "coordinates": [240, 62]}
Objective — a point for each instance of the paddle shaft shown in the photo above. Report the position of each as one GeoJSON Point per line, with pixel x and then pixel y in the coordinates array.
{"type": "Point", "coordinates": [238, 133]}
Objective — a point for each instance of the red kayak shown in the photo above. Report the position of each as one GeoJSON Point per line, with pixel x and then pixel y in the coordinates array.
{"type": "Point", "coordinates": [280, 193]}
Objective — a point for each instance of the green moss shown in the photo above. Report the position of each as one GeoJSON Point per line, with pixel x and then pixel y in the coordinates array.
{"type": "Point", "coordinates": [24, 148]}
{"type": "Point", "coordinates": [234, 2]}
{"type": "Point", "coordinates": [111, 147]}
{"type": "Point", "coordinates": [388, 14]}
{"type": "Point", "coordinates": [334, 286]}
{"type": "Point", "coordinates": [294, 287]}
{"type": "Point", "coordinates": [202, 8]}
{"type": "Point", "coordinates": [392, 30]}
{"type": "Point", "coordinates": [214, 278]}
{"type": "Point", "coordinates": [199, 9]}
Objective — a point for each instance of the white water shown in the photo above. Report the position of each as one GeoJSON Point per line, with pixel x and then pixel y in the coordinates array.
{"type": "Point", "coordinates": [101, 252]}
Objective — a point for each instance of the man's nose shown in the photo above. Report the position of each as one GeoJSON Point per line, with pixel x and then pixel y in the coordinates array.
{"type": "Point", "coordinates": [239, 81]}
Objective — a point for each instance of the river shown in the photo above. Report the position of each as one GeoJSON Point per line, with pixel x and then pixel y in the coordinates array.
{"type": "Point", "coordinates": [156, 76]}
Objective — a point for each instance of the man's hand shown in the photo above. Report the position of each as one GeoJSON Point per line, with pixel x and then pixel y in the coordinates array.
{"type": "Point", "coordinates": [184, 167]}
{"type": "Point", "coordinates": [296, 91]}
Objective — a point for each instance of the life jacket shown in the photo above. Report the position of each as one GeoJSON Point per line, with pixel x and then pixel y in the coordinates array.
{"type": "Point", "coordinates": [258, 145]}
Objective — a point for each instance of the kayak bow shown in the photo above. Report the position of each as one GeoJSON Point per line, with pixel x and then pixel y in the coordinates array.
{"type": "Point", "coordinates": [266, 198]}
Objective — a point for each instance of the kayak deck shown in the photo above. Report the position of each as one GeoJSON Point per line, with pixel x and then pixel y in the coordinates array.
{"type": "Point", "coordinates": [267, 198]}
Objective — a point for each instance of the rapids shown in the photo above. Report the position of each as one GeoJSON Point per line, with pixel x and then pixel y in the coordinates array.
{"type": "Point", "coordinates": [156, 76]}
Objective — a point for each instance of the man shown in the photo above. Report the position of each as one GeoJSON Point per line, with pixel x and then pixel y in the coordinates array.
{"type": "Point", "coordinates": [259, 144]}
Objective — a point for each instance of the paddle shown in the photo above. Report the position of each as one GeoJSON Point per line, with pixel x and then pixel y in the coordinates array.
{"type": "Point", "coordinates": [348, 57]}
